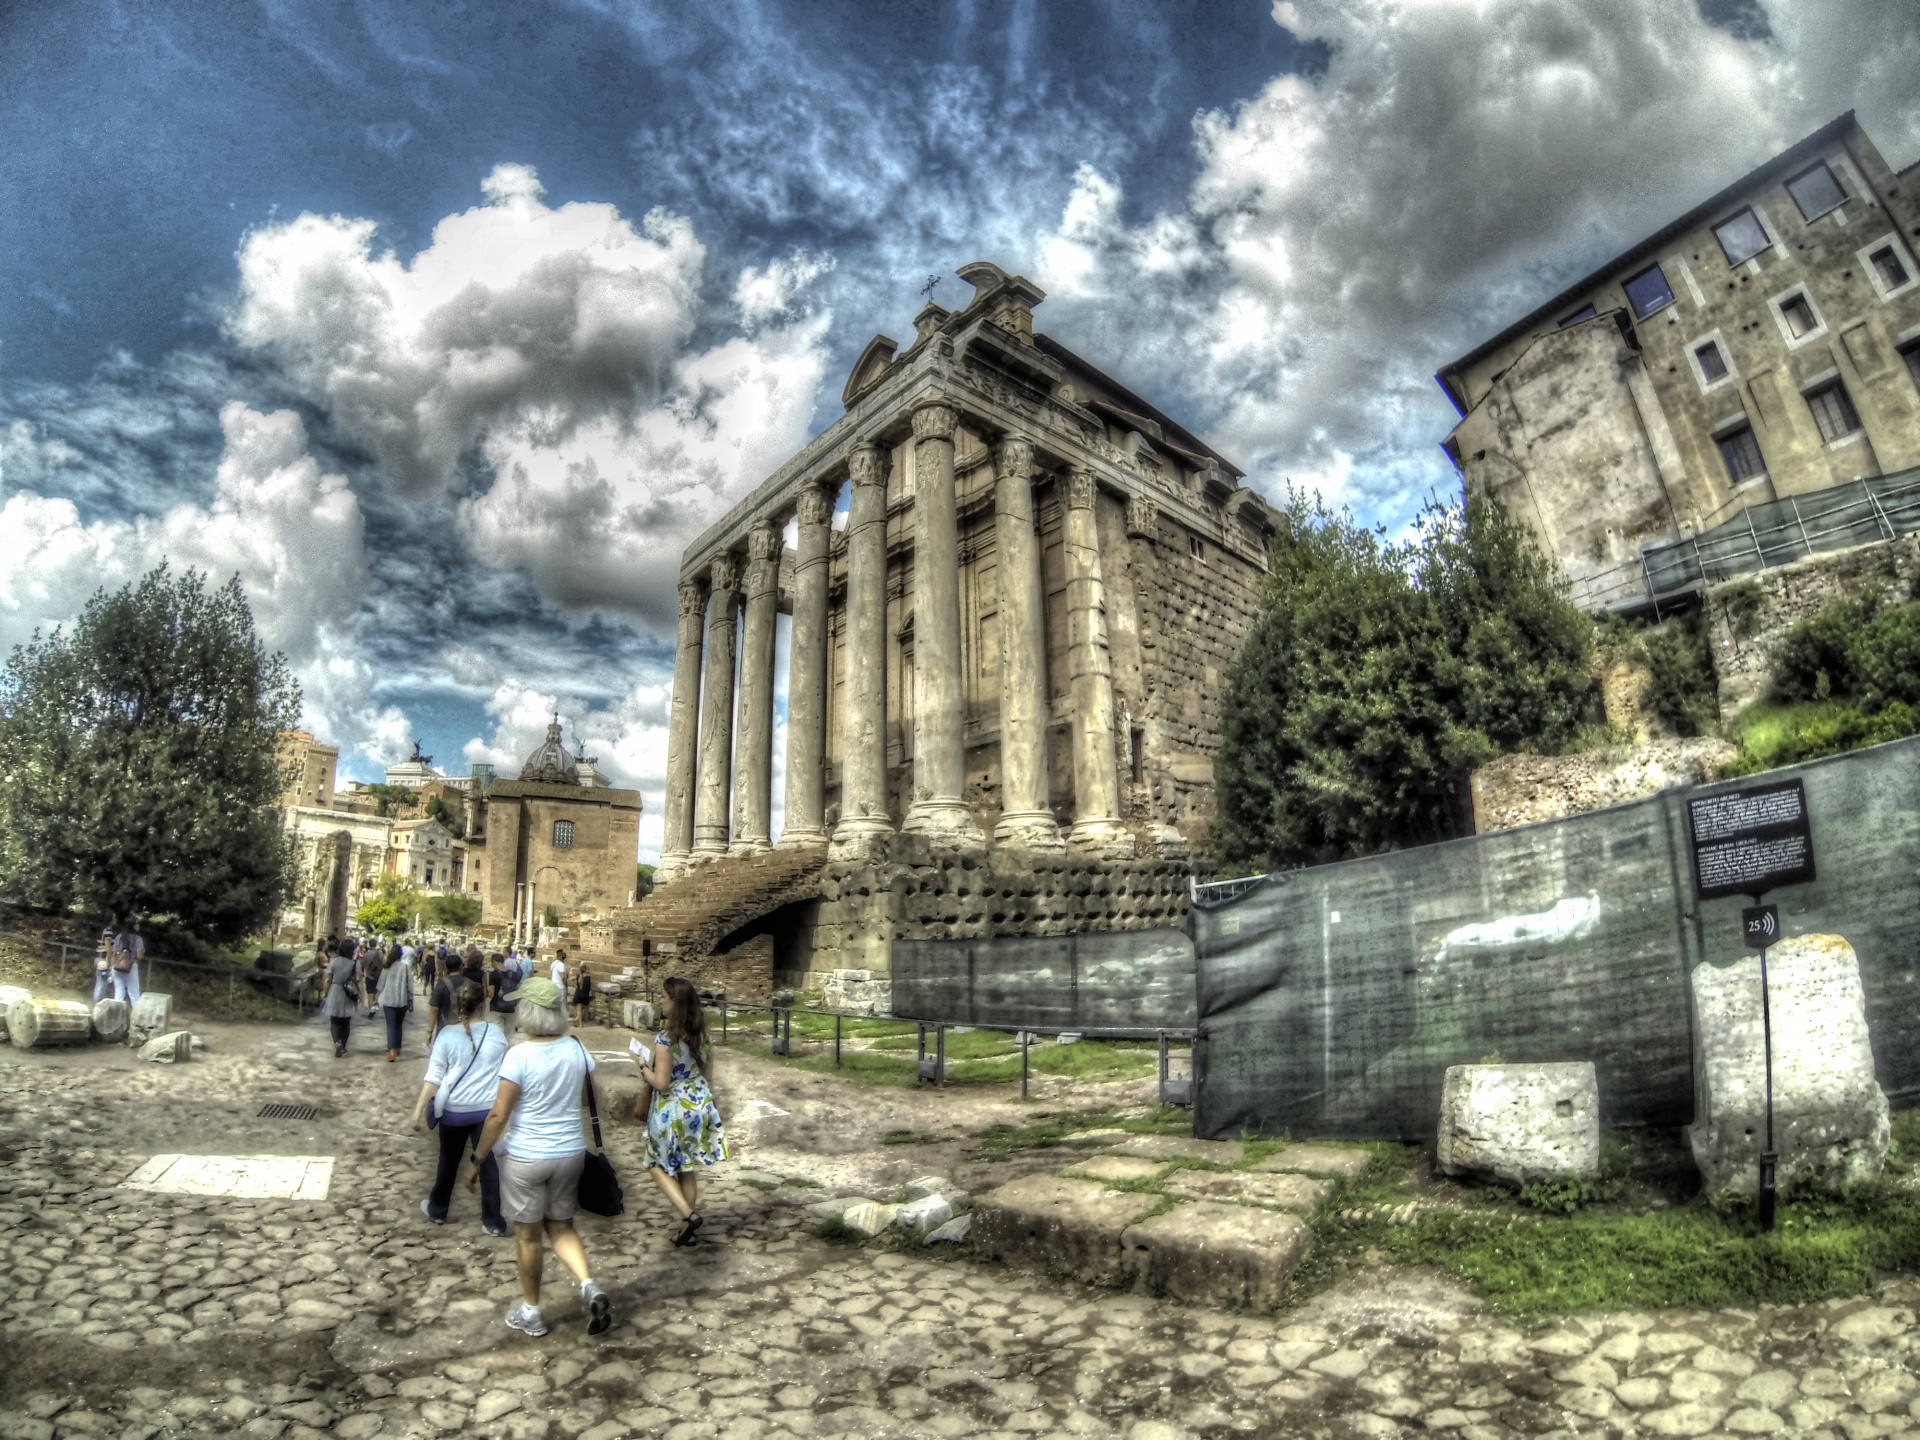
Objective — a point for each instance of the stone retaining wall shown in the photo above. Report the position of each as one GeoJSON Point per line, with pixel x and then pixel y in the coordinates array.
{"type": "Point", "coordinates": [1747, 615]}
{"type": "Point", "coordinates": [1521, 789]}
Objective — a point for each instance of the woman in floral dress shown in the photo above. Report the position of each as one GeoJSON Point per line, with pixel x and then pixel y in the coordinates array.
{"type": "Point", "coordinates": [683, 1124]}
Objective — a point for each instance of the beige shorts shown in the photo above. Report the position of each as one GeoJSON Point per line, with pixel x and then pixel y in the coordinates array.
{"type": "Point", "coordinates": [536, 1190]}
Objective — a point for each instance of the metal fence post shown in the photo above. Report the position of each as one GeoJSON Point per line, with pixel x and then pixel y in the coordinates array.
{"type": "Point", "coordinates": [1026, 1039]}
{"type": "Point", "coordinates": [836, 1039]}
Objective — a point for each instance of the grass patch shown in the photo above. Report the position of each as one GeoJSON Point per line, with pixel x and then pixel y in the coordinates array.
{"type": "Point", "coordinates": [1772, 733]}
{"type": "Point", "coordinates": [1606, 1245]}
{"type": "Point", "coordinates": [1001, 1142]}
{"type": "Point", "coordinates": [976, 1057]}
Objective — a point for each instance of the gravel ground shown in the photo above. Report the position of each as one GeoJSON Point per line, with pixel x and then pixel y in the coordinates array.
{"type": "Point", "coordinates": [132, 1314]}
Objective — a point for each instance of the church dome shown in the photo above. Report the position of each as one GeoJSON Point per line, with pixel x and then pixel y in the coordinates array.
{"type": "Point", "coordinates": [551, 764]}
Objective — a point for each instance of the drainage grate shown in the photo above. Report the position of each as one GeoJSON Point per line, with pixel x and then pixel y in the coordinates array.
{"type": "Point", "coordinates": [279, 1111]}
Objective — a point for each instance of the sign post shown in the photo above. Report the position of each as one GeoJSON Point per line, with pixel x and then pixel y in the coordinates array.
{"type": "Point", "coordinates": [1745, 842]}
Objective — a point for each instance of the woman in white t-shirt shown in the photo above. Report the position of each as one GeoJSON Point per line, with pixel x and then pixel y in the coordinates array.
{"type": "Point", "coordinates": [463, 1080]}
{"type": "Point", "coordinates": [535, 1122]}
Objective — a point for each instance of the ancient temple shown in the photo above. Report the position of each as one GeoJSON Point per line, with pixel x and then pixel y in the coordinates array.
{"type": "Point", "coordinates": [1015, 590]}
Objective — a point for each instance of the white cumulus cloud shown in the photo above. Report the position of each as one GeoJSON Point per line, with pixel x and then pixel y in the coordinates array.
{"type": "Point", "coordinates": [555, 343]}
{"type": "Point", "coordinates": [293, 534]}
{"type": "Point", "coordinates": [1458, 161]}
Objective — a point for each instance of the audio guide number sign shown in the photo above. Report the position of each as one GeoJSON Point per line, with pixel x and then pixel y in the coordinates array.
{"type": "Point", "coordinates": [1750, 840]}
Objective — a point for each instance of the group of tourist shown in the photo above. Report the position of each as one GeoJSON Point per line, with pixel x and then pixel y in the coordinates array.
{"type": "Point", "coordinates": [512, 1111]}
{"type": "Point", "coordinates": [517, 1109]}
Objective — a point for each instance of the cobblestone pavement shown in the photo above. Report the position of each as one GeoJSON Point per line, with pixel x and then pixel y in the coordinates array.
{"type": "Point", "coordinates": [129, 1314]}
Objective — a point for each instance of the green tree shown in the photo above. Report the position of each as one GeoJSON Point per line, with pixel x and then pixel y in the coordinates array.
{"type": "Point", "coordinates": [391, 911]}
{"type": "Point", "coordinates": [452, 911]}
{"type": "Point", "coordinates": [448, 815]}
{"type": "Point", "coordinates": [138, 769]}
{"type": "Point", "coordinates": [1377, 675]}
{"type": "Point", "coordinates": [642, 882]}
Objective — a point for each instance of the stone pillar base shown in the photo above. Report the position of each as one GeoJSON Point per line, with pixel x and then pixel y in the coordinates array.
{"type": "Point", "coordinates": [802, 838]}
{"type": "Point", "coordinates": [948, 824]}
{"type": "Point", "coordinates": [1108, 839]}
{"type": "Point", "coordinates": [750, 847]}
{"type": "Point", "coordinates": [709, 850]}
{"type": "Point", "coordinates": [672, 867]}
{"type": "Point", "coordinates": [1163, 839]}
{"type": "Point", "coordinates": [1035, 830]}
{"type": "Point", "coordinates": [862, 838]}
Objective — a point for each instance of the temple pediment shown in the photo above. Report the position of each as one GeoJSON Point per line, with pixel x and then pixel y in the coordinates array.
{"type": "Point", "coordinates": [873, 363]}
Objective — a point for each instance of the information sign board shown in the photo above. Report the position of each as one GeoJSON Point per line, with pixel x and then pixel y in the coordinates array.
{"type": "Point", "coordinates": [1750, 840]}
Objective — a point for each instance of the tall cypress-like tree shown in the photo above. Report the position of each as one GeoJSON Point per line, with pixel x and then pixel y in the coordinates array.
{"type": "Point", "coordinates": [138, 762]}
{"type": "Point", "coordinates": [1377, 675]}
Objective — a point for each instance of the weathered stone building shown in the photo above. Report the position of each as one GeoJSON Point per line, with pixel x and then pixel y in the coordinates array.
{"type": "Point", "coordinates": [549, 842]}
{"type": "Point", "coordinates": [1018, 641]}
{"type": "Point", "coordinates": [1765, 344]}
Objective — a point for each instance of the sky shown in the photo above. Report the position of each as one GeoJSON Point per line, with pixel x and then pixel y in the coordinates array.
{"type": "Point", "coordinates": [446, 326]}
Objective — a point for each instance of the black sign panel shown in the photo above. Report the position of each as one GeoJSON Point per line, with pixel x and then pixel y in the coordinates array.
{"type": "Point", "coordinates": [1760, 926]}
{"type": "Point", "coordinates": [1746, 841]}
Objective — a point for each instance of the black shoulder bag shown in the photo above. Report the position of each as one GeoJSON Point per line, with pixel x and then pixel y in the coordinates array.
{"type": "Point", "coordinates": [600, 1192]}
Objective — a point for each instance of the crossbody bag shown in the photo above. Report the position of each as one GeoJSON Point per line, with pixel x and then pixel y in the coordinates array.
{"type": "Point", "coordinates": [600, 1192]}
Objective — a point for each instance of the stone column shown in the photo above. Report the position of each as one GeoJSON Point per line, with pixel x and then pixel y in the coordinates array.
{"type": "Point", "coordinates": [753, 757]}
{"type": "Point", "coordinates": [1096, 778]}
{"type": "Point", "coordinates": [863, 769]}
{"type": "Point", "coordinates": [807, 676]}
{"type": "Point", "coordinates": [716, 712]}
{"type": "Point", "coordinates": [939, 696]}
{"type": "Point", "coordinates": [1025, 816]}
{"type": "Point", "coordinates": [683, 735]}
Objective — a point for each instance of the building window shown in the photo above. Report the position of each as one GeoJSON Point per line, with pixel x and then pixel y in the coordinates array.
{"type": "Point", "coordinates": [1833, 412]}
{"type": "Point", "coordinates": [1585, 312]}
{"type": "Point", "coordinates": [1796, 313]}
{"type": "Point", "coordinates": [1196, 547]}
{"type": "Point", "coordinates": [1742, 237]}
{"type": "Point", "coordinates": [1649, 291]}
{"type": "Point", "coordinates": [1742, 454]}
{"type": "Point", "coordinates": [1137, 755]}
{"type": "Point", "coordinates": [1713, 364]}
{"type": "Point", "coordinates": [1912, 356]}
{"type": "Point", "coordinates": [1886, 264]}
{"type": "Point", "coordinates": [563, 834]}
{"type": "Point", "coordinates": [1816, 192]}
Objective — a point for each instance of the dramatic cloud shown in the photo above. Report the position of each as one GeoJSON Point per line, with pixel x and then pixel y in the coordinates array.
{"type": "Point", "coordinates": [1457, 161]}
{"type": "Point", "coordinates": [554, 344]}
{"type": "Point", "coordinates": [292, 533]}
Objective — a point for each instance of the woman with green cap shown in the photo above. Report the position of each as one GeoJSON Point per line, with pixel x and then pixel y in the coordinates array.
{"type": "Point", "coordinates": [535, 1123]}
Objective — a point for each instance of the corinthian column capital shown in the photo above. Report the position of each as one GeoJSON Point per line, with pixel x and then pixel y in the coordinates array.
{"type": "Point", "coordinates": [864, 465]}
{"type": "Point", "coordinates": [1014, 457]}
{"type": "Point", "coordinates": [1080, 488]}
{"type": "Point", "coordinates": [815, 506]}
{"type": "Point", "coordinates": [693, 597]}
{"type": "Point", "coordinates": [726, 571]}
{"type": "Point", "coordinates": [763, 543]}
{"type": "Point", "coordinates": [934, 420]}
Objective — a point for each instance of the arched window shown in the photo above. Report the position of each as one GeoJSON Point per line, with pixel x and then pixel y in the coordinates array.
{"type": "Point", "coordinates": [563, 834]}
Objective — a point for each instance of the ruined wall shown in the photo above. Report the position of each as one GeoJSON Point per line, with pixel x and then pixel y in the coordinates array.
{"type": "Point", "coordinates": [1522, 789]}
{"type": "Point", "coordinates": [1186, 618]}
{"type": "Point", "coordinates": [1746, 616]}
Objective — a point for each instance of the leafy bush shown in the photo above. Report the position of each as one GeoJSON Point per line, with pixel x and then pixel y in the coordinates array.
{"type": "Point", "coordinates": [1815, 659]}
{"type": "Point", "coordinates": [1378, 674]}
{"type": "Point", "coordinates": [1775, 735]}
{"type": "Point", "coordinates": [392, 909]}
{"type": "Point", "coordinates": [452, 911]}
{"type": "Point", "coordinates": [1684, 689]}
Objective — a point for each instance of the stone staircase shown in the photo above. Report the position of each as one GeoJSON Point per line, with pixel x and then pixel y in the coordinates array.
{"type": "Point", "coordinates": [687, 917]}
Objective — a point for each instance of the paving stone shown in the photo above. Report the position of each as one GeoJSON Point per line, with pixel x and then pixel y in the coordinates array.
{"type": "Point", "coordinates": [1216, 1254]}
{"type": "Point", "coordinates": [1288, 1192]}
{"type": "Point", "coordinates": [1126, 1168]}
{"type": "Point", "coordinates": [1323, 1160]}
{"type": "Point", "coordinates": [1180, 1147]}
{"type": "Point", "coordinates": [1051, 1221]}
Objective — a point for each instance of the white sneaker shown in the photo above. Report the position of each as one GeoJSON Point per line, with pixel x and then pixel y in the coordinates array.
{"type": "Point", "coordinates": [527, 1319]}
{"type": "Point", "coordinates": [595, 1305]}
